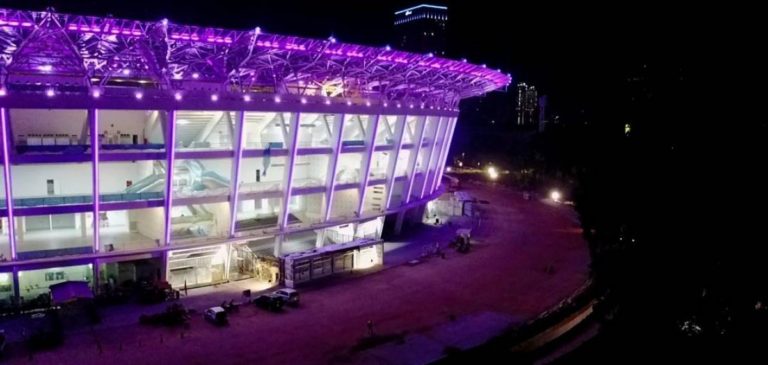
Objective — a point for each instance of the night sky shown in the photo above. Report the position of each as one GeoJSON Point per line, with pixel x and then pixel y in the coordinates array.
{"type": "Point", "coordinates": [567, 52]}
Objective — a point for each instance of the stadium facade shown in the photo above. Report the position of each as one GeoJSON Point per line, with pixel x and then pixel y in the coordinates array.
{"type": "Point", "coordinates": [134, 150]}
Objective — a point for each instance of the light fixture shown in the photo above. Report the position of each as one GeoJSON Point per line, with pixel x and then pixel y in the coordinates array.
{"type": "Point", "coordinates": [50, 93]}
{"type": "Point", "coordinates": [96, 93]}
{"type": "Point", "coordinates": [349, 102]}
{"type": "Point", "coordinates": [214, 97]}
{"type": "Point", "coordinates": [45, 68]}
{"type": "Point", "coordinates": [303, 100]}
{"type": "Point", "coordinates": [195, 75]}
{"type": "Point", "coordinates": [492, 173]}
{"type": "Point", "coordinates": [555, 196]}
{"type": "Point", "coordinates": [277, 99]}
{"type": "Point", "coordinates": [182, 122]}
{"type": "Point", "coordinates": [3, 91]}
{"type": "Point", "coordinates": [247, 97]}
{"type": "Point", "coordinates": [388, 48]}
{"type": "Point", "coordinates": [327, 101]}
{"type": "Point", "coordinates": [138, 95]}
{"type": "Point", "coordinates": [177, 96]}
{"type": "Point", "coordinates": [126, 72]}
{"type": "Point", "coordinates": [367, 103]}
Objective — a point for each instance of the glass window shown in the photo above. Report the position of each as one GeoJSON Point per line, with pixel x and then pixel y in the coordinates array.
{"type": "Point", "coordinates": [379, 165]}
{"type": "Point", "coordinates": [6, 289]}
{"type": "Point", "coordinates": [344, 203]}
{"type": "Point", "coordinates": [385, 135]}
{"type": "Point", "coordinates": [34, 284]}
{"type": "Point", "coordinates": [266, 130]}
{"type": "Point", "coordinates": [262, 174]}
{"type": "Point", "coordinates": [40, 131]}
{"type": "Point", "coordinates": [306, 209]}
{"type": "Point", "coordinates": [316, 130]}
{"type": "Point", "coordinates": [52, 184]}
{"type": "Point", "coordinates": [132, 130]}
{"type": "Point", "coordinates": [197, 266]}
{"type": "Point", "coordinates": [199, 222]}
{"type": "Point", "coordinates": [348, 168]}
{"type": "Point", "coordinates": [310, 170]}
{"type": "Point", "coordinates": [207, 130]}
{"type": "Point", "coordinates": [129, 181]}
{"type": "Point", "coordinates": [254, 215]}
{"type": "Point", "coordinates": [134, 229]}
{"type": "Point", "coordinates": [356, 128]}
{"type": "Point", "coordinates": [197, 178]}
{"type": "Point", "coordinates": [401, 169]}
{"type": "Point", "coordinates": [42, 236]}
{"type": "Point", "coordinates": [375, 199]}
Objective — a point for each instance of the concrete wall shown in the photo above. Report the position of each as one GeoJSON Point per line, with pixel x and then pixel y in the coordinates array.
{"type": "Point", "coordinates": [113, 175]}
{"type": "Point", "coordinates": [149, 222]}
{"type": "Point", "coordinates": [345, 202]}
{"type": "Point", "coordinates": [311, 167]}
{"type": "Point", "coordinates": [129, 122]}
{"type": "Point", "coordinates": [69, 179]}
{"type": "Point", "coordinates": [48, 121]}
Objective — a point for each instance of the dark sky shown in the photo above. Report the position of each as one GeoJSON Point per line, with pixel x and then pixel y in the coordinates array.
{"type": "Point", "coordinates": [569, 52]}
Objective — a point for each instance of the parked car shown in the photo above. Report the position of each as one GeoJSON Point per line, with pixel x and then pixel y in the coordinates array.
{"type": "Point", "coordinates": [291, 296]}
{"type": "Point", "coordinates": [270, 301]}
{"type": "Point", "coordinates": [216, 315]}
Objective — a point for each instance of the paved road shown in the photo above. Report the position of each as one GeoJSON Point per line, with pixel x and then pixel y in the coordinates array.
{"type": "Point", "coordinates": [506, 272]}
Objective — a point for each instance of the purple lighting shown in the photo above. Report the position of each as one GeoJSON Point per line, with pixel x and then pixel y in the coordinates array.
{"type": "Point", "coordinates": [139, 95]}
{"type": "Point", "coordinates": [3, 91]}
{"type": "Point", "coordinates": [246, 97]}
{"type": "Point", "coordinates": [214, 97]}
{"type": "Point", "coordinates": [6, 178]}
{"type": "Point", "coordinates": [177, 96]}
{"type": "Point", "coordinates": [50, 93]}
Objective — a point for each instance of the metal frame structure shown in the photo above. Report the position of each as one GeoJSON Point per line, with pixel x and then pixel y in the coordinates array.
{"type": "Point", "coordinates": [96, 53]}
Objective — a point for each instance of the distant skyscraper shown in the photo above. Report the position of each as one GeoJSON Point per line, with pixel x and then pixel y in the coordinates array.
{"type": "Point", "coordinates": [422, 29]}
{"type": "Point", "coordinates": [527, 104]}
{"type": "Point", "coordinates": [543, 113]}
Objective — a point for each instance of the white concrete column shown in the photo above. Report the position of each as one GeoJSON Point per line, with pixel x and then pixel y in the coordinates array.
{"type": "Point", "coordinates": [330, 181]}
{"type": "Point", "coordinates": [394, 155]}
{"type": "Point", "coordinates": [413, 158]}
{"type": "Point", "coordinates": [366, 168]}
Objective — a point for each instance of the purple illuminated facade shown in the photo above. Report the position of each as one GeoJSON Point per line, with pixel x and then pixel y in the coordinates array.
{"type": "Point", "coordinates": [143, 150]}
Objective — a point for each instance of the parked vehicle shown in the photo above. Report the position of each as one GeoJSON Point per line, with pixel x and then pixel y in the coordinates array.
{"type": "Point", "coordinates": [216, 315]}
{"type": "Point", "coordinates": [272, 302]}
{"type": "Point", "coordinates": [291, 296]}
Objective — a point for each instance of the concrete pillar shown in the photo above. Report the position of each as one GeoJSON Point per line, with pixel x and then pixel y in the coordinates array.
{"type": "Point", "coordinates": [95, 275]}
{"type": "Point", "coordinates": [399, 222]}
{"type": "Point", "coordinates": [16, 291]}
{"type": "Point", "coordinates": [20, 224]}
{"type": "Point", "coordinates": [320, 240]}
{"type": "Point", "coordinates": [164, 266]}
{"type": "Point", "coordinates": [278, 245]}
{"type": "Point", "coordinates": [84, 224]}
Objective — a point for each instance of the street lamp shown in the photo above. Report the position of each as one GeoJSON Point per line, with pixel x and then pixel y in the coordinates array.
{"type": "Point", "coordinates": [555, 196]}
{"type": "Point", "coordinates": [492, 173]}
